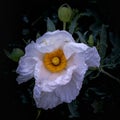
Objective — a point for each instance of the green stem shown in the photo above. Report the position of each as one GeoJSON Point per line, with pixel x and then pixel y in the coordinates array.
{"type": "Point", "coordinates": [108, 74]}
{"type": "Point", "coordinates": [38, 115]}
{"type": "Point", "coordinates": [33, 23]}
{"type": "Point", "coordinates": [64, 25]}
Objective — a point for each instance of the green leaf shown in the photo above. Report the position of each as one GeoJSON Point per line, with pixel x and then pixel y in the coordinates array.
{"type": "Point", "coordinates": [115, 40]}
{"type": "Point", "coordinates": [15, 54]}
{"type": "Point", "coordinates": [81, 38]}
{"type": "Point", "coordinates": [73, 24]}
{"type": "Point", "coordinates": [103, 42]}
{"type": "Point", "coordinates": [112, 60]}
{"type": "Point", "coordinates": [73, 109]}
{"type": "Point", "coordinates": [50, 25]}
{"type": "Point", "coordinates": [97, 106]}
{"type": "Point", "coordinates": [38, 35]}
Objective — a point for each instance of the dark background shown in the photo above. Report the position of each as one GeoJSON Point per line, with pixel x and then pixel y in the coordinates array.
{"type": "Point", "coordinates": [11, 11]}
{"type": "Point", "coordinates": [10, 24]}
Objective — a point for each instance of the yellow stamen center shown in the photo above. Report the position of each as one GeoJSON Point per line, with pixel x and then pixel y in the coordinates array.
{"type": "Point", "coordinates": [55, 61]}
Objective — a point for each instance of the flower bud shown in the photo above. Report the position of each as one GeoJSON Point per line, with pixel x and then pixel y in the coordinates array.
{"type": "Point", "coordinates": [90, 40]}
{"type": "Point", "coordinates": [65, 13]}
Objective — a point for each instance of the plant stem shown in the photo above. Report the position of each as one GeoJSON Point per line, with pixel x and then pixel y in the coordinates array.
{"type": "Point", "coordinates": [64, 25]}
{"type": "Point", "coordinates": [108, 74]}
{"type": "Point", "coordinates": [33, 23]}
{"type": "Point", "coordinates": [38, 115]}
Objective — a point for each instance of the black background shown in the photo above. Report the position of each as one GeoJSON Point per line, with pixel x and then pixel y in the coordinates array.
{"type": "Point", "coordinates": [10, 13]}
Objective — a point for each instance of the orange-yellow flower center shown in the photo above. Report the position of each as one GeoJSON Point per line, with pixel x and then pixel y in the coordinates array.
{"type": "Point", "coordinates": [55, 61]}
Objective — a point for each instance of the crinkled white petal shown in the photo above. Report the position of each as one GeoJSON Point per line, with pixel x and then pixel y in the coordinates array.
{"type": "Point", "coordinates": [81, 67]}
{"type": "Point", "coordinates": [71, 48]}
{"type": "Point", "coordinates": [57, 35]}
{"type": "Point", "coordinates": [70, 91]}
{"type": "Point", "coordinates": [49, 46]}
{"type": "Point", "coordinates": [32, 51]}
{"type": "Point", "coordinates": [92, 57]}
{"type": "Point", "coordinates": [45, 100]}
{"type": "Point", "coordinates": [67, 92]}
{"type": "Point", "coordinates": [49, 81]}
{"type": "Point", "coordinates": [78, 77]}
{"type": "Point", "coordinates": [53, 40]}
{"type": "Point", "coordinates": [24, 78]}
{"type": "Point", "coordinates": [42, 76]}
{"type": "Point", "coordinates": [25, 69]}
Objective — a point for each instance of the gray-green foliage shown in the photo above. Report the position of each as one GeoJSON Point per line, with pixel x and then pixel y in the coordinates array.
{"type": "Point", "coordinates": [103, 42]}
{"type": "Point", "coordinates": [74, 24]}
{"type": "Point", "coordinates": [73, 108]}
{"type": "Point", "coordinates": [80, 37]}
{"type": "Point", "coordinates": [50, 25]}
{"type": "Point", "coordinates": [15, 54]}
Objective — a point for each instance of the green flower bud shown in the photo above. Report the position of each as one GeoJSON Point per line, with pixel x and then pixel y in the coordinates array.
{"type": "Point", "coordinates": [65, 13]}
{"type": "Point", "coordinates": [90, 40]}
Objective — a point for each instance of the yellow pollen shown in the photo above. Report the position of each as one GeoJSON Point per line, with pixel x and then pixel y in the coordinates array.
{"type": "Point", "coordinates": [55, 61]}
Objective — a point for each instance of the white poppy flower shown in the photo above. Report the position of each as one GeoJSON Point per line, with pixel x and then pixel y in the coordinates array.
{"type": "Point", "coordinates": [58, 65]}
